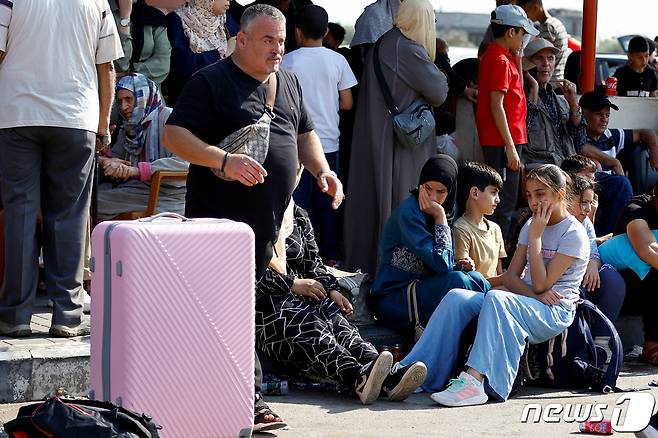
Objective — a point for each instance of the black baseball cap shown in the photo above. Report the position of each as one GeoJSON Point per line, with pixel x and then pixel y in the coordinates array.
{"type": "Point", "coordinates": [595, 100]}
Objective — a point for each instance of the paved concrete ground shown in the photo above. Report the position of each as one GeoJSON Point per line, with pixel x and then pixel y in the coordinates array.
{"type": "Point", "coordinates": [323, 414]}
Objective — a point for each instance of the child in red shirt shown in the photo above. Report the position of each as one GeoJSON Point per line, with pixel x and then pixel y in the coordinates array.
{"type": "Point", "coordinates": [501, 109]}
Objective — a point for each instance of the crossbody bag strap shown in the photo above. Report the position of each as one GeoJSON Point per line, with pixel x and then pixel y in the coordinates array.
{"type": "Point", "coordinates": [392, 108]}
{"type": "Point", "coordinates": [412, 303]}
{"type": "Point", "coordinates": [271, 95]}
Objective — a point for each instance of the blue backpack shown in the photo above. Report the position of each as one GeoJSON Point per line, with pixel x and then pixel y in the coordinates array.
{"type": "Point", "coordinates": [572, 360]}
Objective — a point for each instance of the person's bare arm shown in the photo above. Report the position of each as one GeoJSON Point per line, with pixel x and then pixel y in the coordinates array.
{"type": "Point", "coordinates": [345, 100]}
{"type": "Point", "coordinates": [643, 241]}
{"type": "Point", "coordinates": [106, 79]}
{"type": "Point", "coordinates": [512, 278]}
{"type": "Point", "coordinates": [312, 157]}
{"type": "Point", "coordinates": [648, 137]}
{"type": "Point", "coordinates": [594, 153]}
{"type": "Point", "coordinates": [498, 114]}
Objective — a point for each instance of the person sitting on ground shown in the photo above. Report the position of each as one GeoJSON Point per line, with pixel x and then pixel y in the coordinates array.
{"type": "Point", "coordinates": [326, 80]}
{"type": "Point", "coordinates": [552, 30]}
{"type": "Point", "coordinates": [415, 252]}
{"type": "Point", "coordinates": [553, 120]}
{"type": "Point", "coordinates": [580, 165]}
{"type": "Point", "coordinates": [476, 237]}
{"type": "Point", "coordinates": [137, 153]}
{"type": "Point", "coordinates": [634, 252]}
{"type": "Point", "coordinates": [636, 78]}
{"type": "Point", "coordinates": [300, 321]}
{"type": "Point", "coordinates": [602, 283]}
{"type": "Point", "coordinates": [542, 285]}
{"type": "Point", "coordinates": [604, 145]}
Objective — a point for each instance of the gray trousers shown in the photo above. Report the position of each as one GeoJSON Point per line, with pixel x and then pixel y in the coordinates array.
{"type": "Point", "coordinates": [509, 196]}
{"type": "Point", "coordinates": [45, 169]}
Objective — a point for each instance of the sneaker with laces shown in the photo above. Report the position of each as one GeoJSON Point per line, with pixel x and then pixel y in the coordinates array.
{"type": "Point", "coordinates": [63, 331]}
{"type": "Point", "coordinates": [369, 383]}
{"type": "Point", "coordinates": [402, 381]}
{"type": "Point", "coordinates": [463, 391]}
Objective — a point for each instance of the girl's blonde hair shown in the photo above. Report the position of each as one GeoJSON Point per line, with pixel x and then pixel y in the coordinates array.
{"type": "Point", "coordinates": [416, 21]}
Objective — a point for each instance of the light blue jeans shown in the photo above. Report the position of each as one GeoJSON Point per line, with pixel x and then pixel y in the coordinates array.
{"type": "Point", "coordinates": [506, 320]}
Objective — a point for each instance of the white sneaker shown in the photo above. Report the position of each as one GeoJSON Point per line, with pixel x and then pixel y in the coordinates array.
{"type": "Point", "coordinates": [463, 391]}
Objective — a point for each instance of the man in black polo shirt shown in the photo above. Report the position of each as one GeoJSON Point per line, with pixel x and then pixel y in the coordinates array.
{"type": "Point", "coordinates": [638, 220]}
{"type": "Point", "coordinates": [225, 97]}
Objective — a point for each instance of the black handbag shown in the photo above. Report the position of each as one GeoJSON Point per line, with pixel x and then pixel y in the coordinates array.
{"type": "Point", "coordinates": [413, 125]}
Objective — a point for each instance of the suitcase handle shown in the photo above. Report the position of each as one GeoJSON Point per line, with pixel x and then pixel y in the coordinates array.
{"type": "Point", "coordinates": [166, 214]}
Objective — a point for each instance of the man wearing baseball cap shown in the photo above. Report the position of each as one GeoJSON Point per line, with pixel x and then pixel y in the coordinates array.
{"type": "Point", "coordinates": [501, 109]}
{"type": "Point", "coordinates": [604, 145]}
{"type": "Point", "coordinates": [553, 120]}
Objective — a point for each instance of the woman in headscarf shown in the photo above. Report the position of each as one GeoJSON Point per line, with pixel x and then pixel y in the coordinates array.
{"type": "Point", "coordinates": [381, 172]}
{"type": "Point", "coordinates": [416, 253]}
{"type": "Point", "coordinates": [375, 20]}
{"type": "Point", "coordinates": [199, 37]}
{"type": "Point", "coordinates": [136, 152]}
{"type": "Point", "coordinates": [300, 321]}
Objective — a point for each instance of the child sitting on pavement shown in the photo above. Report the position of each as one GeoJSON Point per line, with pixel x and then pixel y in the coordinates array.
{"type": "Point", "coordinates": [542, 285]}
{"type": "Point", "coordinates": [476, 237]}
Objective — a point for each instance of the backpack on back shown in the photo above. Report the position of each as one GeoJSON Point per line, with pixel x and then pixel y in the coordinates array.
{"type": "Point", "coordinates": [573, 360]}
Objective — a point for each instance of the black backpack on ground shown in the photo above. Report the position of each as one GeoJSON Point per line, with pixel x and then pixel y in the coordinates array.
{"type": "Point", "coordinates": [572, 360]}
{"type": "Point", "coordinates": [79, 419]}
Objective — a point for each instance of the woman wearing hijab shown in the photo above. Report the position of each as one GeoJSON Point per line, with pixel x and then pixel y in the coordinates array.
{"type": "Point", "coordinates": [136, 152]}
{"type": "Point", "coordinates": [381, 172]}
{"type": "Point", "coordinates": [300, 321]}
{"type": "Point", "coordinates": [198, 36]}
{"type": "Point", "coordinates": [416, 250]}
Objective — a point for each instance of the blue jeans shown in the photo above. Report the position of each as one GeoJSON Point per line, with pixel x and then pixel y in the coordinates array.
{"type": "Point", "coordinates": [506, 320]}
{"type": "Point", "coordinates": [609, 297]}
{"type": "Point", "coordinates": [318, 205]}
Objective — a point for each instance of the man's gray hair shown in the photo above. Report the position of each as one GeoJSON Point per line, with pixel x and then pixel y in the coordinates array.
{"type": "Point", "coordinates": [260, 10]}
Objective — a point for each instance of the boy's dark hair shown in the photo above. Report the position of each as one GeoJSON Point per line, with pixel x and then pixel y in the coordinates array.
{"type": "Point", "coordinates": [638, 44]}
{"type": "Point", "coordinates": [523, 3]}
{"type": "Point", "coordinates": [577, 163]}
{"type": "Point", "coordinates": [475, 174]}
{"type": "Point", "coordinates": [312, 20]}
{"type": "Point", "coordinates": [337, 31]}
{"type": "Point", "coordinates": [652, 45]}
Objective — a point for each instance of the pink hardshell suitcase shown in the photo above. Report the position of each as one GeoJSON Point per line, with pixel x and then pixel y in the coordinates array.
{"type": "Point", "coordinates": [172, 328]}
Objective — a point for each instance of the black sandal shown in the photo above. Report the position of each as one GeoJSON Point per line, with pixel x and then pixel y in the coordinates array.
{"type": "Point", "coordinates": [262, 410]}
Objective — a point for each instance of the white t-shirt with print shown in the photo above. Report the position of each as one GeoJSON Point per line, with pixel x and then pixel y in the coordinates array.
{"type": "Point", "coordinates": [48, 76]}
{"type": "Point", "coordinates": [322, 73]}
{"type": "Point", "coordinates": [567, 237]}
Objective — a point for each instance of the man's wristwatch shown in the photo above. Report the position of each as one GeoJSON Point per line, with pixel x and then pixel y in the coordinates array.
{"type": "Point", "coordinates": [578, 112]}
{"type": "Point", "coordinates": [124, 22]}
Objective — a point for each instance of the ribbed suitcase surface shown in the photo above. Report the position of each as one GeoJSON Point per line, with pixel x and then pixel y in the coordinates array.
{"type": "Point", "coordinates": [173, 323]}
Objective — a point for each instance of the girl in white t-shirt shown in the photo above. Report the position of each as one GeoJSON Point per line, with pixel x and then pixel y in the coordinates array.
{"type": "Point", "coordinates": [542, 285]}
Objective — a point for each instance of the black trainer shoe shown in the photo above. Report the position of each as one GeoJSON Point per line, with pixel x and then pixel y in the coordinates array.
{"type": "Point", "coordinates": [369, 383]}
{"type": "Point", "coordinates": [401, 382]}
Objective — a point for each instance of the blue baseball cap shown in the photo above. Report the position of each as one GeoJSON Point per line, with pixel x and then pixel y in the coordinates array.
{"type": "Point", "coordinates": [515, 16]}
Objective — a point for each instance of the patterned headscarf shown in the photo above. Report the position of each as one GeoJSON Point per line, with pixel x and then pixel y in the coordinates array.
{"type": "Point", "coordinates": [203, 29]}
{"type": "Point", "coordinates": [145, 118]}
